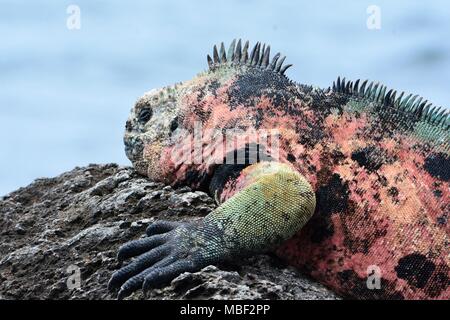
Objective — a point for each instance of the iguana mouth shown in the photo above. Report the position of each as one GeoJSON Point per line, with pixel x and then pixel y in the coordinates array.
{"type": "Point", "coordinates": [133, 147]}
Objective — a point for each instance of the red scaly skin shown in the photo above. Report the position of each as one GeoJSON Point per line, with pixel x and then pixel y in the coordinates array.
{"type": "Point", "coordinates": [382, 188]}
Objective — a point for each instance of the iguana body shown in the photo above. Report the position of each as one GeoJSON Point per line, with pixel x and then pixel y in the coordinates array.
{"type": "Point", "coordinates": [369, 170]}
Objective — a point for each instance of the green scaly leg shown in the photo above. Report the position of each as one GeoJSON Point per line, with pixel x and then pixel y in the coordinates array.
{"type": "Point", "coordinates": [275, 202]}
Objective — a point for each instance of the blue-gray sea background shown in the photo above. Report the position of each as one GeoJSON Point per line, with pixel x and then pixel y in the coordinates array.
{"type": "Point", "coordinates": [65, 94]}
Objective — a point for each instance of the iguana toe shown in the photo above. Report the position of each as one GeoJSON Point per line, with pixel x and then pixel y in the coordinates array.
{"type": "Point", "coordinates": [136, 282]}
{"type": "Point", "coordinates": [161, 276]}
{"type": "Point", "coordinates": [137, 247]}
{"type": "Point", "coordinates": [141, 263]}
{"type": "Point", "coordinates": [161, 226]}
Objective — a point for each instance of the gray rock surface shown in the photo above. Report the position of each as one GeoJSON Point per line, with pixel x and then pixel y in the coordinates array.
{"type": "Point", "coordinates": [56, 229]}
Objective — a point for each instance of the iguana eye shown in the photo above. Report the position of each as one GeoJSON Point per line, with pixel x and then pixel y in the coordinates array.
{"type": "Point", "coordinates": [174, 125]}
{"type": "Point", "coordinates": [145, 115]}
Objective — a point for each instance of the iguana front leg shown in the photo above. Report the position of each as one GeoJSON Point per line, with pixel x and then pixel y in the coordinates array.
{"type": "Point", "coordinates": [272, 204]}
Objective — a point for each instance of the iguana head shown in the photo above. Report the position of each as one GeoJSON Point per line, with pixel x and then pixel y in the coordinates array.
{"type": "Point", "coordinates": [150, 125]}
{"type": "Point", "coordinates": [237, 90]}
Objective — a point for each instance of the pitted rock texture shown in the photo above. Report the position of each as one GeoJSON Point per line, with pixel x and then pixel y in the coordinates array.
{"type": "Point", "coordinates": [57, 228]}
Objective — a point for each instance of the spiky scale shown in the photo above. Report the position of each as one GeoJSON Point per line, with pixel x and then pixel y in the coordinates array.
{"type": "Point", "coordinates": [266, 58]}
{"type": "Point", "coordinates": [446, 123]}
{"type": "Point", "coordinates": [374, 91]}
{"type": "Point", "coordinates": [274, 61]}
{"type": "Point", "coordinates": [256, 57]}
{"type": "Point", "coordinates": [405, 101]}
{"type": "Point", "coordinates": [393, 98]}
{"type": "Point", "coordinates": [338, 84]}
{"type": "Point", "coordinates": [435, 116]}
{"type": "Point", "coordinates": [443, 117]}
{"type": "Point", "coordinates": [420, 108]}
{"type": "Point", "coordinates": [409, 106]}
{"type": "Point", "coordinates": [387, 97]}
{"type": "Point", "coordinates": [238, 52]}
{"type": "Point", "coordinates": [279, 64]}
{"type": "Point", "coordinates": [283, 69]}
{"type": "Point", "coordinates": [439, 115]}
{"type": "Point", "coordinates": [399, 99]}
{"type": "Point", "coordinates": [223, 55]}
{"type": "Point", "coordinates": [231, 50]}
{"type": "Point", "coordinates": [348, 86]}
{"type": "Point", "coordinates": [252, 53]}
{"type": "Point", "coordinates": [415, 106]}
{"type": "Point", "coordinates": [261, 56]}
{"type": "Point", "coordinates": [431, 113]}
{"type": "Point", "coordinates": [356, 86]}
{"type": "Point", "coordinates": [216, 55]}
{"type": "Point", "coordinates": [343, 83]}
{"type": "Point", "coordinates": [362, 90]}
{"type": "Point", "coordinates": [426, 111]}
{"type": "Point", "coordinates": [245, 52]}
{"type": "Point", "coordinates": [368, 92]}
{"type": "Point", "coordinates": [210, 61]}
{"type": "Point", "coordinates": [382, 93]}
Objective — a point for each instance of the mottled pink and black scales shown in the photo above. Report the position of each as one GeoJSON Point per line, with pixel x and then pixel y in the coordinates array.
{"type": "Point", "coordinates": [382, 188]}
{"type": "Point", "coordinates": [382, 193]}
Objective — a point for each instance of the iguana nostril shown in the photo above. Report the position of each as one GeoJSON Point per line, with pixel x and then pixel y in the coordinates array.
{"type": "Point", "coordinates": [128, 126]}
{"type": "Point", "coordinates": [145, 115]}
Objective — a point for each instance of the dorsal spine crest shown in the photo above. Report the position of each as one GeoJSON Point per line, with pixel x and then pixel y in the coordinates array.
{"type": "Point", "coordinates": [259, 57]}
{"type": "Point", "coordinates": [415, 105]}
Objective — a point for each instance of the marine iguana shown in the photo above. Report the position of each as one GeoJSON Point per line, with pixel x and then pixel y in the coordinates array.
{"type": "Point", "coordinates": [347, 180]}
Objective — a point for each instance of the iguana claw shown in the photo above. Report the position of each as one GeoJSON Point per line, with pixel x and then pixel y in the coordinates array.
{"type": "Point", "coordinates": [170, 249]}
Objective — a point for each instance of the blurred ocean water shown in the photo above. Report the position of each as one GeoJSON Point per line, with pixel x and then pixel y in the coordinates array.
{"type": "Point", "coordinates": [65, 94]}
